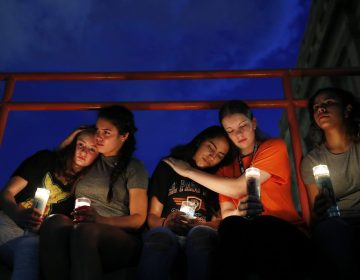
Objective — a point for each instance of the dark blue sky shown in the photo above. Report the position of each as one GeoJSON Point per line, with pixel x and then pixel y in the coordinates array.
{"type": "Point", "coordinates": [141, 35]}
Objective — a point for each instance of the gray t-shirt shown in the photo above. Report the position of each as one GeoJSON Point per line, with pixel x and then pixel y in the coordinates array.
{"type": "Point", "coordinates": [95, 185]}
{"type": "Point", "coordinates": [344, 173]}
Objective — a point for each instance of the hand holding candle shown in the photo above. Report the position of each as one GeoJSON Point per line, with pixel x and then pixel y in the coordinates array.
{"type": "Point", "coordinates": [40, 199]}
{"type": "Point", "coordinates": [188, 207]}
{"type": "Point", "coordinates": [322, 178]}
{"type": "Point", "coordinates": [82, 210]}
{"type": "Point", "coordinates": [38, 209]}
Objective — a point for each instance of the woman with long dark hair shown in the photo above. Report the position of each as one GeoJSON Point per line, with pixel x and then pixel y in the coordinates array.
{"type": "Point", "coordinates": [172, 233]}
{"type": "Point", "coordinates": [58, 172]}
{"type": "Point", "coordinates": [335, 131]}
{"type": "Point", "coordinates": [265, 235]}
{"type": "Point", "coordinates": [107, 234]}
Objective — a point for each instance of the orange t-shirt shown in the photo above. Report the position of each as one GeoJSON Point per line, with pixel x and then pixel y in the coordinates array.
{"type": "Point", "coordinates": [271, 157]}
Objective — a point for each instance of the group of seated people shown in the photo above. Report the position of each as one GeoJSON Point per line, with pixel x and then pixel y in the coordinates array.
{"type": "Point", "coordinates": [232, 233]}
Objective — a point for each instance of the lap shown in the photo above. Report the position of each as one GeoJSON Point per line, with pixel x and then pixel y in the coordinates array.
{"type": "Point", "coordinates": [8, 229]}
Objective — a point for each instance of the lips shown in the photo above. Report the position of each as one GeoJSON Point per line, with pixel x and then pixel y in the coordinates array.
{"type": "Point", "coordinates": [81, 158]}
{"type": "Point", "coordinates": [321, 116]}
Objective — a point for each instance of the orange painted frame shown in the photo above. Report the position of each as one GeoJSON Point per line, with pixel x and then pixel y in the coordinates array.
{"type": "Point", "coordinates": [288, 102]}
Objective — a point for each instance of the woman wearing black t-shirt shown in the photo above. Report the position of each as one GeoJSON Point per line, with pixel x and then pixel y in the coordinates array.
{"type": "Point", "coordinates": [172, 230]}
{"type": "Point", "coordinates": [57, 171]}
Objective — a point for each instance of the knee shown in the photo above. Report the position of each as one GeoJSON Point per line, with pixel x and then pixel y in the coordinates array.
{"type": "Point", "coordinates": [160, 239]}
{"type": "Point", "coordinates": [202, 237]}
{"type": "Point", "coordinates": [83, 233]}
{"type": "Point", "coordinates": [54, 222]}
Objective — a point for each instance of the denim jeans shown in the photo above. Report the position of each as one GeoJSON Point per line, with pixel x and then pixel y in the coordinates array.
{"type": "Point", "coordinates": [22, 254]}
{"type": "Point", "coordinates": [162, 247]}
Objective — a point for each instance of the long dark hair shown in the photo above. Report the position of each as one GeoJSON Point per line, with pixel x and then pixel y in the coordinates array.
{"type": "Point", "coordinates": [123, 119]}
{"type": "Point", "coordinates": [316, 134]}
{"type": "Point", "coordinates": [65, 158]}
{"type": "Point", "coordinates": [240, 107]}
{"type": "Point", "coordinates": [187, 151]}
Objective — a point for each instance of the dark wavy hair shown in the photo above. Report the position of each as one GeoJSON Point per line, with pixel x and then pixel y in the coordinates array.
{"type": "Point", "coordinates": [316, 135]}
{"type": "Point", "coordinates": [65, 158]}
{"type": "Point", "coordinates": [123, 119]}
{"type": "Point", "coordinates": [232, 107]}
{"type": "Point", "coordinates": [187, 151]}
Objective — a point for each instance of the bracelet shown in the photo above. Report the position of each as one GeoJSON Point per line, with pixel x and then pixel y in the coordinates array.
{"type": "Point", "coordinates": [163, 222]}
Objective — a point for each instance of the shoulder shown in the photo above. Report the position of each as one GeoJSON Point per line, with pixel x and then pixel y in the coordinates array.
{"type": "Point", "coordinates": [136, 165]}
{"type": "Point", "coordinates": [273, 144]}
{"type": "Point", "coordinates": [43, 156]}
{"type": "Point", "coordinates": [162, 166]}
{"type": "Point", "coordinates": [315, 153]}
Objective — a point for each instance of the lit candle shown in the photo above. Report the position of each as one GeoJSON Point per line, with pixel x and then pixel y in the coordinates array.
{"type": "Point", "coordinates": [322, 178]}
{"type": "Point", "coordinates": [188, 207]}
{"type": "Point", "coordinates": [252, 175]}
{"type": "Point", "coordinates": [82, 201]}
{"type": "Point", "coordinates": [40, 199]}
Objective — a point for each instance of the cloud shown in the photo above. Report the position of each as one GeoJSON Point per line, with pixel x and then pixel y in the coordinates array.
{"type": "Point", "coordinates": [140, 35]}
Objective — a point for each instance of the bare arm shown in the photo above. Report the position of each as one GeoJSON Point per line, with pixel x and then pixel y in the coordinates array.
{"type": "Point", "coordinates": [154, 217]}
{"type": "Point", "coordinates": [23, 217]}
{"type": "Point", "coordinates": [231, 187]}
{"type": "Point", "coordinates": [137, 217]}
{"type": "Point", "coordinates": [248, 205]}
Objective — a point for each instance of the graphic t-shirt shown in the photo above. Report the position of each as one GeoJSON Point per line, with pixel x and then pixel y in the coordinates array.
{"type": "Point", "coordinates": [171, 189]}
{"type": "Point", "coordinates": [38, 171]}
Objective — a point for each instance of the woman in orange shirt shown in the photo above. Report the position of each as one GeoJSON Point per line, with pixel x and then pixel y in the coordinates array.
{"type": "Point", "coordinates": [271, 242]}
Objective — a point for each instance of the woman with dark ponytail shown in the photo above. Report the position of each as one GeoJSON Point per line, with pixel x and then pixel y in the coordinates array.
{"type": "Point", "coordinates": [105, 236]}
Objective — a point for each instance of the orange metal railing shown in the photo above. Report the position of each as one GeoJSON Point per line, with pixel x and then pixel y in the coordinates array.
{"type": "Point", "coordinates": [285, 75]}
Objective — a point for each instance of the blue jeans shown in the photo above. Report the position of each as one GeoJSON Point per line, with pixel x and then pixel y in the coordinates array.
{"type": "Point", "coordinates": [22, 254]}
{"type": "Point", "coordinates": [162, 246]}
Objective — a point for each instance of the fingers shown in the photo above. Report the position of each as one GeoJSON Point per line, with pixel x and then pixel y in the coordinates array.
{"type": "Point", "coordinates": [250, 205]}
{"type": "Point", "coordinates": [84, 214]}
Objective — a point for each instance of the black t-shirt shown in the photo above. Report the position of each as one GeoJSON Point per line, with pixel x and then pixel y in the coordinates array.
{"type": "Point", "coordinates": [38, 171]}
{"type": "Point", "coordinates": [171, 189]}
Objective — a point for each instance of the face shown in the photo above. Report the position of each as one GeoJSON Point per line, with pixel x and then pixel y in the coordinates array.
{"type": "Point", "coordinates": [328, 112]}
{"type": "Point", "coordinates": [85, 152]}
{"type": "Point", "coordinates": [241, 131]}
{"type": "Point", "coordinates": [108, 139]}
{"type": "Point", "coordinates": [211, 152]}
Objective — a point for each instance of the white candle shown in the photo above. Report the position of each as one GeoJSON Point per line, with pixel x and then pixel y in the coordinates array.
{"type": "Point", "coordinates": [82, 201]}
{"type": "Point", "coordinates": [188, 207]}
{"type": "Point", "coordinates": [322, 178]}
{"type": "Point", "coordinates": [252, 175]}
{"type": "Point", "coordinates": [321, 170]}
{"type": "Point", "coordinates": [40, 199]}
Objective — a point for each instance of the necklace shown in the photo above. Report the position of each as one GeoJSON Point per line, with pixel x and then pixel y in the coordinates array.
{"type": "Point", "coordinates": [241, 164]}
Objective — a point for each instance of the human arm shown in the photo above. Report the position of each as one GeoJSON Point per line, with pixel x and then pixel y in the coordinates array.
{"type": "Point", "coordinates": [133, 221]}
{"type": "Point", "coordinates": [248, 205]}
{"type": "Point", "coordinates": [24, 217]}
{"type": "Point", "coordinates": [176, 221]}
{"type": "Point", "coordinates": [72, 135]}
{"type": "Point", "coordinates": [231, 187]}
{"type": "Point", "coordinates": [319, 203]}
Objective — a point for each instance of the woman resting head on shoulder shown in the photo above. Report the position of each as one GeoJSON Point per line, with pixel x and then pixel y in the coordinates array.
{"type": "Point", "coordinates": [104, 236]}
{"type": "Point", "coordinates": [56, 171]}
{"type": "Point", "coordinates": [207, 151]}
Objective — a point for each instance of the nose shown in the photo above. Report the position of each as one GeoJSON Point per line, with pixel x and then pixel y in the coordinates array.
{"type": "Point", "coordinates": [321, 109]}
{"type": "Point", "coordinates": [98, 138]}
